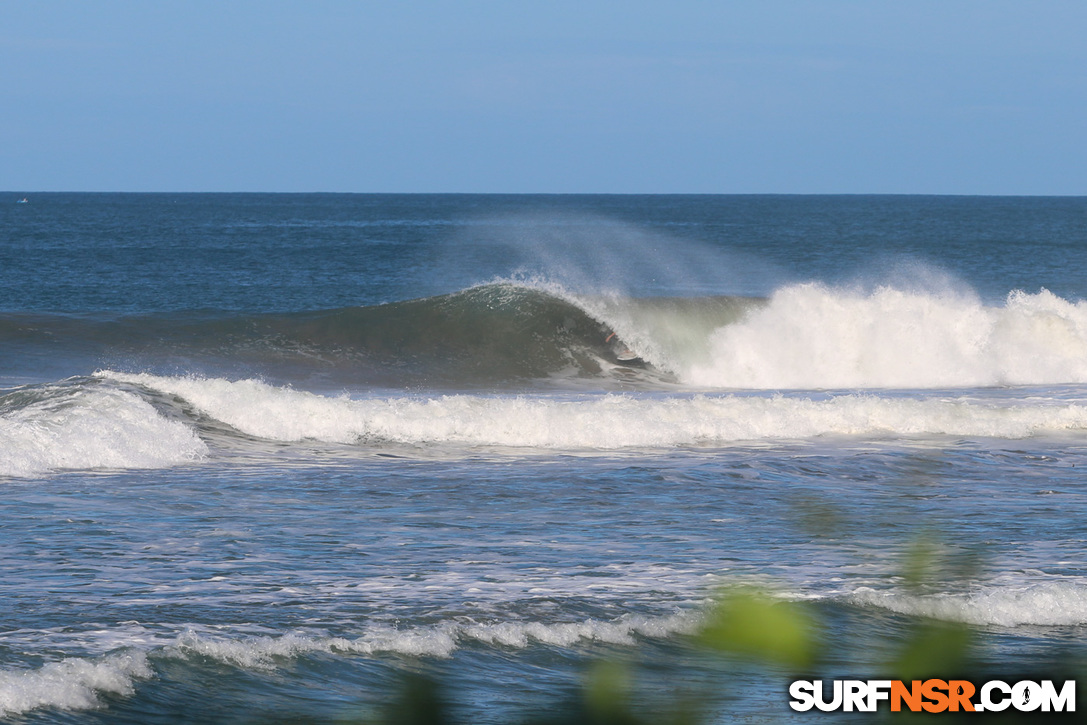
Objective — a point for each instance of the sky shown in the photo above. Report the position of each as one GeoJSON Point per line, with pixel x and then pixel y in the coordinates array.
{"type": "Point", "coordinates": [827, 96]}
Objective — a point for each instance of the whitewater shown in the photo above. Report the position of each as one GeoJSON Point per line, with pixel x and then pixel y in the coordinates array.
{"type": "Point", "coordinates": [263, 456]}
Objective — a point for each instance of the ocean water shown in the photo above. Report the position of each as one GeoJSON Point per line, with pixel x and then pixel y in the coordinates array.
{"type": "Point", "coordinates": [263, 456]}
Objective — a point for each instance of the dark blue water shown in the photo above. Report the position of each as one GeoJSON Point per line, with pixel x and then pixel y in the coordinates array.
{"type": "Point", "coordinates": [263, 455]}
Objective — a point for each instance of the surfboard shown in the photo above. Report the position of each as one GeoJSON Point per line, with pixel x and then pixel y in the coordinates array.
{"type": "Point", "coordinates": [621, 351]}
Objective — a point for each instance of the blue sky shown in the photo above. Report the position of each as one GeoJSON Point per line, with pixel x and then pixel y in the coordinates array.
{"type": "Point", "coordinates": [984, 97]}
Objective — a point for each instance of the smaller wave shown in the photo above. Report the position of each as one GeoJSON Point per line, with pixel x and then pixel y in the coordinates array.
{"type": "Point", "coordinates": [439, 640]}
{"type": "Point", "coordinates": [1044, 604]}
{"type": "Point", "coordinates": [85, 426]}
{"type": "Point", "coordinates": [76, 683]}
{"type": "Point", "coordinates": [598, 422]}
{"type": "Point", "coordinates": [72, 683]}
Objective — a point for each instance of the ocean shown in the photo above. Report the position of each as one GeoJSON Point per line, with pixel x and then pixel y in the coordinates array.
{"type": "Point", "coordinates": [266, 457]}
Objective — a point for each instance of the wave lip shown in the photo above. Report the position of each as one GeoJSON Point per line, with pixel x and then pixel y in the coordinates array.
{"type": "Point", "coordinates": [86, 426]}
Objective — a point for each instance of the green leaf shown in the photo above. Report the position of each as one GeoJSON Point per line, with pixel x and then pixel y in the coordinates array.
{"type": "Point", "coordinates": [749, 622]}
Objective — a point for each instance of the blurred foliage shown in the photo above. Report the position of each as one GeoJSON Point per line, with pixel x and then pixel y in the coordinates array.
{"type": "Point", "coordinates": [748, 621]}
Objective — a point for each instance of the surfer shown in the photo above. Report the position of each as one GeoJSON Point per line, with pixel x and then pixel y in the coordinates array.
{"type": "Point", "coordinates": [622, 351]}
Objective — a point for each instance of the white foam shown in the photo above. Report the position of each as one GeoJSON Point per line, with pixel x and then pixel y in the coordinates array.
{"type": "Point", "coordinates": [82, 428]}
{"type": "Point", "coordinates": [602, 421]}
{"type": "Point", "coordinates": [813, 336]}
{"type": "Point", "coordinates": [440, 640]}
{"type": "Point", "coordinates": [71, 684]}
{"type": "Point", "coordinates": [622, 631]}
{"type": "Point", "coordinates": [1046, 604]}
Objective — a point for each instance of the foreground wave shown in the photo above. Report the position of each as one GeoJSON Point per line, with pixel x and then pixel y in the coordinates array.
{"type": "Point", "coordinates": [76, 683]}
{"type": "Point", "coordinates": [79, 682]}
{"type": "Point", "coordinates": [123, 420]}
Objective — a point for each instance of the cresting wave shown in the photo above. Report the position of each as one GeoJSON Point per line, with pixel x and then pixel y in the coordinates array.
{"type": "Point", "coordinates": [490, 335]}
{"type": "Point", "coordinates": [812, 336]}
{"type": "Point", "coordinates": [72, 683]}
{"type": "Point", "coordinates": [440, 640]}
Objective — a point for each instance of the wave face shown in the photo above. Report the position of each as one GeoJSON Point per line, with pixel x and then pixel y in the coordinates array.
{"type": "Point", "coordinates": [511, 339]}
{"type": "Point", "coordinates": [482, 336]}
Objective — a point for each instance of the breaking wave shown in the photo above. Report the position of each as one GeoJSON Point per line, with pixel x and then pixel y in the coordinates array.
{"type": "Point", "coordinates": [81, 425]}
{"type": "Point", "coordinates": [119, 420]}
{"type": "Point", "coordinates": [806, 336]}
{"type": "Point", "coordinates": [1043, 604]}
{"type": "Point", "coordinates": [667, 362]}
{"type": "Point", "coordinates": [76, 683]}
